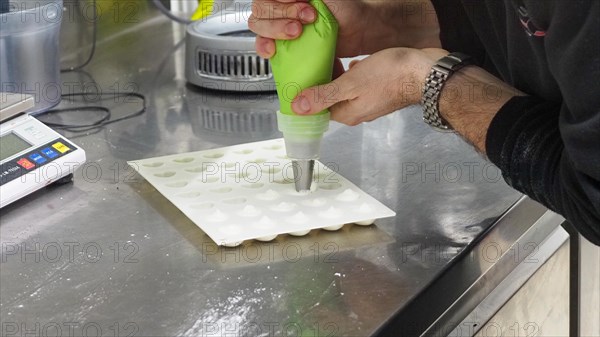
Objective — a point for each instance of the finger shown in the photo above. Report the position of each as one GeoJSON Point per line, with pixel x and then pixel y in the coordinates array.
{"type": "Point", "coordinates": [350, 112]}
{"type": "Point", "coordinates": [281, 29]}
{"type": "Point", "coordinates": [344, 112]}
{"type": "Point", "coordinates": [319, 98]}
{"type": "Point", "coordinates": [265, 47]}
{"type": "Point", "coordinates": [273, 10]}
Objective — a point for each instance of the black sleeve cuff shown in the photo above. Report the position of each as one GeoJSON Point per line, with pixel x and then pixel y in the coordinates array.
{"type": "Point", "coordinates": [525, 142]}
{"type": "Point", "coordinates": [509, 117]}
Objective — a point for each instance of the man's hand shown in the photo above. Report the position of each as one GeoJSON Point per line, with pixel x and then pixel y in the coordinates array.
{"type": "Point", "coordinates": [393, 79]}
{"type": "Point", "coordinates": [381, 83]}
{"type": "Point", "coordinates": [365, 27]}
{"type": "Point", "coordinates": [283, 20]}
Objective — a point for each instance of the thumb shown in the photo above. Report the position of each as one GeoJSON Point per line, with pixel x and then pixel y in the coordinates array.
{"type": "Point", "coordinates": [316, 99]}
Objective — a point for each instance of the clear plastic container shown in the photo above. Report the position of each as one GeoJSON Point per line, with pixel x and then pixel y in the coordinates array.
{"type": "Point", "coordinates": [29, 51]}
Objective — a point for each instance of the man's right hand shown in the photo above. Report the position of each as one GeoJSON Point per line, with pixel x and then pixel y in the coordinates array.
{"type": "Point", "coordinates": [365, 27]}
{"type": "Point", "coordinates": [284, 19]}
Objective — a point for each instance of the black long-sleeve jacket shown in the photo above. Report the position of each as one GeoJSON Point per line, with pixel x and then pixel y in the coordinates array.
{"type": "Point", "coordinates": [547, 144]}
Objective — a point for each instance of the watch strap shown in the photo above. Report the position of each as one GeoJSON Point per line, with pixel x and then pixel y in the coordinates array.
{"type": "Point", "coordinates": [434, 83]}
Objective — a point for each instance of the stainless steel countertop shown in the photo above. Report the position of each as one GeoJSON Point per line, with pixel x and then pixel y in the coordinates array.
{"type": "Point", "coordinates": [129, 262]}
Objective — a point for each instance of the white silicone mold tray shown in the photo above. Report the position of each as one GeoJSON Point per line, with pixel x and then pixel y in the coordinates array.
{"type": "Point", "coordinates": [246, 192]}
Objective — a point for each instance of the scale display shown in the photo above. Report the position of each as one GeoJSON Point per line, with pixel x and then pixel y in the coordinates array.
{"type": "Point", "coordinates": [12, 144]}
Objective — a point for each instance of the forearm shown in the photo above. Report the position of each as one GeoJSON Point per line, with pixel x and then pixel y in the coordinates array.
{"type": "Point", "coordinates": [470, 100]}
{"type": "Point", "coordinates": [521, 135]}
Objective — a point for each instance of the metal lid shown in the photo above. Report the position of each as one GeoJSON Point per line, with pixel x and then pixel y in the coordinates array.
{"type": "Point", "coordinates": [220, 55]}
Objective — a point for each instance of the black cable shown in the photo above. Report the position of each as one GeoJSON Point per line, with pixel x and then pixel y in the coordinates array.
{"type": "Point", "coordinates": [101, 122]}
{"type": "Point", "coordinates": [82, 108]}
{"type": "Point", "coordinates": [94, 36]}
{"type": "Point", "coordinates": [169, 14]}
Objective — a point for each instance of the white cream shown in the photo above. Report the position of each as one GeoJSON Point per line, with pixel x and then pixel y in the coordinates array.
{"type": "Point", "coordinates": [264, 223]}
{"type": "Point", "coordinates": [331, 213]}
{"type": "Point", "coordinates": [348, 195]}
{"type": "Point", "coordinates": [250, 211]}
{"type": "Point", "coordinates": [284, 207]}
{"type": "Point", "coordinates": [317, 202]}
{"type": "Point", "coordinates": [268, 195]}
{"type": "Point", "coordinates": [217, 216]}
{"type": "Point", "coordinates": [299, 218]}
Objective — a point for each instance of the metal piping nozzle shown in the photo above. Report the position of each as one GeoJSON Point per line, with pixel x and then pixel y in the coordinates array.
{"type": "Point", "coordinates": [303, 173]}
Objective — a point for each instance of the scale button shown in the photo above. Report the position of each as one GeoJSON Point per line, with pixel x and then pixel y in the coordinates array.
{"type": "Point", "coordinates": [36, 157]}
{"type": "Point", "coordinates": [60, 147]}
{"type": "Point", "coordinates": [49, 153]}
{"type": "Point", "coordinates": [26, 164]}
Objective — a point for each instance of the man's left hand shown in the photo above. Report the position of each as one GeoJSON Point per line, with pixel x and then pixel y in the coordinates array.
{"type": "Point", "coordinates": [375, 86]}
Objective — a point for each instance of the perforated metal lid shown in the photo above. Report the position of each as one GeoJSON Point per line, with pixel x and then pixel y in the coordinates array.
{"type": "Point", "coordinates": [220, 55]}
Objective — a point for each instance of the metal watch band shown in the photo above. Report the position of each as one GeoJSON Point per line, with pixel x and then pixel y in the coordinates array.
{"type": "Point", "coordinates": [439, 74]}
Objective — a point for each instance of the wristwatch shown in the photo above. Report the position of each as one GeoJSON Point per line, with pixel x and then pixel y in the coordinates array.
{"type": "Point", "coordinates": [439, 74]}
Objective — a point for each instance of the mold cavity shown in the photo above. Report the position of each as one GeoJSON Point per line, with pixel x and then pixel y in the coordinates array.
{"type": "Point", "coordinates": [273, 147]}
{"type": "Point", "coordinates": [244, 151]}
{"type": "Point", "coordinates": [231, 164]}
{"type": "Point", "coordinates": [209, 180]}
{"type": "Point", "coordinates": [282, 156]}
{"type": "Point", "coordinates": [214, 155]}
{"type": "Point", "coordinates": [365, 222]}
{"type": "Point", "coordinates": [156, 164]}
{"type": "Point", "coordinates": [284, 207]}
{"type": "Point", "coordinates": [299, 233]}
{"type": "Point", "coordinates": [330, 186]}
{"type": "Point", "coordinates": [198, 169]}
{"type": "Point", "coordinates": [318, 202]}
{"type": "Point", "coordinates": [189, 195]}
{"type": "Point", "coordinates": [333, 228]}
{"type": "Point", "coordinates": [348, 195]}
{"type": "Point", "coordinates": [268, 195]}
{"type": "Point", "coordinates": [165, 174]}
{"type": "Point", "coordinates": [258, 161]}
{"type": "Point", "coordinates": [202, 206]}
{"type": "Point", "coordinates": [177, 184]}
{"type": "Point", "coordinates": [221, 190]}
{"type": "Point", "coordinates": [183, 160]}
{"type": "Point", "coordinates": [326, 178]}
{"type": "Point", "coordinates": [235, 201]}
{"type": "Point", "coordinates": [239, 176]}
{"type": "Point", "coordinates": [253, 186]}
{"type": "Point", "coordinates": [270, 169]}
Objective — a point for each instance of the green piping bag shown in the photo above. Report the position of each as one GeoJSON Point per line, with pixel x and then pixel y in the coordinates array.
{"type": "Point", "coordinates": [299, 64]}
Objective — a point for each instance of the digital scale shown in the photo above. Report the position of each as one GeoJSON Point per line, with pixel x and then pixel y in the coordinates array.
{"type": "Point", "coordinates": [32, 155]}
